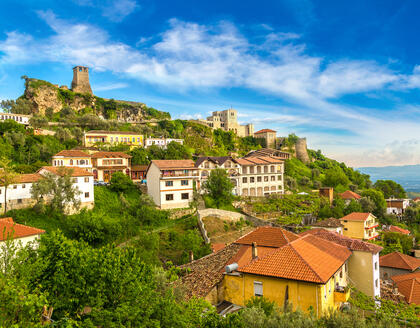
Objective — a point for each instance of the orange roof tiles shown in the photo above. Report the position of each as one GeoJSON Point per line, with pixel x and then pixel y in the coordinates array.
{"type": "Point", "coordinates": [307, 259]}
{"type": "Point", "coordinates": [409, 286]}
{"type": "Point", "coordinates": [350, 243]}
{"type": "Point", "coordinates": [110, 154]}
{"type": "Point", "coordinates": [10, 229]}
{"type": "Point", "coordinates": [74, 171]}
{"type": "Point", "coordinates": [268, 236]}
{"type": "Point", "coordinates": [399, 230]}
{"type": "Point", "coordinates": [29, 178]}
{"type": "Point", "coordinates": [264, 131]}
{"type": "Point", "coordinates": [217, 247]}
{"type": "Point", "coordinates": [356, 216]}
{"type": "Point", "coordinates": [174, 164]}
{"type": "Point", "coordinates": [348, 194]}
{"type": "Point", "coordinates": [72, 153]}
{"type": "Point", "coordinates": [399, 261]}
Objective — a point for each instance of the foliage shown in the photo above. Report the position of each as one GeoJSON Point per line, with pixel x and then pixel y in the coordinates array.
{"type": "Point", "coordinates": [396, 241]}
{"type": "Point", "coordinates": [378, 199]}
{"type": "Point", "coordinates": [7, 176]}
{"type": "Point", "coordinates": [219, 187]}
{"type": "Point", "coordinates": [18, 106]}
{"type": "Point", "coordinates": [121, 182]}
{"type": "Point", "coordinates": [57, 189]}
{"type": "Point", "coordinates": [390, 189]}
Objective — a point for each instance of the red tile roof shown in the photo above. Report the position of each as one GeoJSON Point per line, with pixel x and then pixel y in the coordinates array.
{"type": "Point", "coordinates": [348, 194]}
{"type": "Point", "coordinates": [217, 247]}
{"type": "Point", "coordinates": [29, 178]}
{"type": "Point", "coordinates": [72, 153]}
{"type": "Point", "coordinates": [409, 286]}
{"type": "Point", "coordinates": [356, 216]}
{"type": "Point", "coordinates": [264, 131]}
{"type": "Point", "coordinates": [174, 164]}
{"type": "Point", "coordinates": [308, 258]}
{"type": "Point", "coordinates": [399, 230]}
{"type": "Point", "coordinates": [399, 261]}
{"type": "Point", "coordinates": [9, 229]}
{"type": "Point", "coordinates": [268, 237]}
{"type": "Point", "coordinates": [350, 243]}
{"type": "Point", "coordinates": [110, 154]}
{"type": "Point", "coordinates": [74, 171]}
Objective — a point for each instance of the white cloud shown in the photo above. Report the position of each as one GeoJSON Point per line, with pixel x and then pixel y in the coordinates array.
{"type": "Point", "coordinates": [114, 10]}
{"type": "Point", "coordinates": [108, 87]}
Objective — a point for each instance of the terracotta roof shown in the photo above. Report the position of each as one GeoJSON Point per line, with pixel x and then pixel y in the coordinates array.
{"type": "Point", "coordinates": [416, 199]}
{"type": "Point", "coordinates": [174, 164]}
{"type": "Point", "coordinates": [72, 153]}
{"type": "Point", "coordinates": [264, 131]}
{"type": "Point", "coordinates": [328, 223]}
{"type": "Point", "coordinates": [218, 160]}
{"type": "Point", "coordinates": [28, 178]}
{"type": "Point", "coordinates": [348, 194]}
{"type": "Point", "coordinates": [308, 258]}
{"type": "Point", "coordinates": [9, 229]}
{"type": "Point", "coordinates": [399, 261]}
{"type": "Point", "coordinates": [74, 171]}
{"type": "Point", "coordinates": [268, 236]}
{"type": "Point", "coordinates": [110, 154]}
{"type": "Point", "coordinates": [350, 243]}
{"type": "Point", "coordinates": [217, 247]}
{"type": "Point", "coordinates": [206, 272]}
{"type": "Point", "coordinates": [399, 230]}
{"type": "Point", "coordinates": [409, 286]}
{"type": "Point", "coordinates": [244, 254]}
{"type": "Point", "coordinates": [113, 132]}
{"type": "Point", "coordinates": [244, 161]}
{"type": "Point", "coordinates": [356, 216]}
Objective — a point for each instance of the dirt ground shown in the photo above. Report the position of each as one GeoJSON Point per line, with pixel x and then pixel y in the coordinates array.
{"type": "Point", "coordinates": [220, 231]}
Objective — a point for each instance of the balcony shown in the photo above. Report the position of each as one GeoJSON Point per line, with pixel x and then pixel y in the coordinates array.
{"type": "Point", "coordinates": [341, 294]}
{"type": "Point", "coordinates": [176, 174]}
{"type": "Point", "coordinates": [372, 226]}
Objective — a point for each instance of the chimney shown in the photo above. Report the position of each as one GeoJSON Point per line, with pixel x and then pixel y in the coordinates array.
{"type": "Point", "coordinates": [191, 254]}
{"type": "Point", "coordinates": [254, 250]}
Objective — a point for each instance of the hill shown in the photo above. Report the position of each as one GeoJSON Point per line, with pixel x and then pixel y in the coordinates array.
{"type": "Point", "coordinates": [407, 175]}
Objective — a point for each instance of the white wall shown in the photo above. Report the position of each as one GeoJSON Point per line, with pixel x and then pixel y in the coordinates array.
{"type": "Point", "coordinates": [153, 183]}
{"type": "Point", "coordinates": [377, 289]}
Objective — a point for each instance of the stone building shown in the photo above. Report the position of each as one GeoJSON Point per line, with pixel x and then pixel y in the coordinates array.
{"type": "Point", "coordinates": [268, 135]}
{"type": "Point", "coordinates": [80, 81]}
{"type": "Point", "coordinates": [228, 120]}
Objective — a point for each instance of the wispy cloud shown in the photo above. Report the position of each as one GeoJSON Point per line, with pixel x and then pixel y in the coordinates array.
{"type": "Point", "coordinates": [114, 10]}
{"type": "Point", "coordinates": [107, 87]}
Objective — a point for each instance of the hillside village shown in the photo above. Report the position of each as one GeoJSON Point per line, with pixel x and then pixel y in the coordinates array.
{"type": "Point", "coordinates": [199, 218]}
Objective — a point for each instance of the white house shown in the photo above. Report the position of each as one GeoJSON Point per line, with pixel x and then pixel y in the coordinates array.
{"type": "Point", "coordinates": [396, 206]}
{"type": "Point", "coordinates": [19, 118]}
{"type": "Point", "coordinates": [170, 183]}
{"type": "Point", "coordinates": [82, 180]}
{"type": "Point", "coordinates": [161, 142]}
{"type": "Point", "coordinates": [19, 233]}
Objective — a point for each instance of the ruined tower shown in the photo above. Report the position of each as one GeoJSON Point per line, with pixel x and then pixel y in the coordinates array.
{"type": "Point", "coordinates": [80, 81]}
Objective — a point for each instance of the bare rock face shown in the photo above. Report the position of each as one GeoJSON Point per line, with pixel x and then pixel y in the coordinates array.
{"type": "Point", "coordinates": [43, 97]}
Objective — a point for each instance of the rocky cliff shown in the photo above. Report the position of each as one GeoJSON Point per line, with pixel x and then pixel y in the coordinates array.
{"type": "Point", "coordinates": [45, 96]}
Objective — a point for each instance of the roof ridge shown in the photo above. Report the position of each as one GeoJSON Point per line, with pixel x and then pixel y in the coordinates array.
{"type": "Point", "coordinates": [300, 256]}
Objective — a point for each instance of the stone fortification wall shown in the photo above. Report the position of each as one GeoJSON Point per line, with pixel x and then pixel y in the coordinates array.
{"type": "Point", "coordinates": [302, 151]}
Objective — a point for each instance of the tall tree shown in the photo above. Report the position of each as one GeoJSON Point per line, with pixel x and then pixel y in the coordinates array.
{"type": "Point", "coordinates": [7, 177]}
{"type": "Point", "coordinates": [219, 187]}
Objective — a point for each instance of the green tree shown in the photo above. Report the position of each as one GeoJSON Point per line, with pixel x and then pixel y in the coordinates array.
{"type": "Point", "coordinates": [7, 177]}
{"type": "Point", "coordinates": [57, 189]}
{"type": "Point", "coordinates": [378, 198]}
{"type": "Point", "coordinates": [121, 182]}
{"type": "Point", "coordinates": [219, 187]}
{"type": "Point", "coordinates": [353, 206]}
{"type": "Point", "coordinates": [38, 121]}
{"type": "Point", "coordinates": [175, 150]}
{"type": "Point", "coordinates": [335, 177]}
{"type": "Point", "coordinates": [390, 189]}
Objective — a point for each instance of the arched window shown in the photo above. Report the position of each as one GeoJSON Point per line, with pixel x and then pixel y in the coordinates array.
{"type": "Point", "coordinates": [71, 162]}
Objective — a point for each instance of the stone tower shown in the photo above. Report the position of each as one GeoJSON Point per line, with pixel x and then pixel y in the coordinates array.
{"type": "Point", "coordinates": [80, 81]}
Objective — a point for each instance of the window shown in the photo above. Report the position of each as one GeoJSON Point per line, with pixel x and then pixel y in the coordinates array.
{"type": "Point", "coordinates": [376, 266]}
{"type": "Point", "coordinates": [86, 195]}
{"type": "Point", "coordinates": [86, 179]}
{"type": "Point", "coordinates": [116, 139]}
{"type": "Point", "coordinates": [169, 197]}
{"type": "Point", "coordinates": [14, 186]}
{"type": "Point", "coordinates": [259, 179]}
{"type": "Point", "coordinates": [134, 139]}
{"type": "Point", "coordinates": [19, 201]}
{"type": "Point", "coordinates": [244, 180]}
{"type": "Point", "coordinates": [279, 177]}
{"type": "Point", "coordinates": [376, 283]}
{"type": "Point", "coordinates": [71, 162]}
{"type": "Point", "coordinates": [345, 229]}
{"type": "Point", "coordinates": [341, 274]}
{"type": "Point", "coordinates": [345, 221]}
{"type": "Point", "coordinates": [185, 196]}
{"type": "Point", "coordinates": [112, 139]}
{"type": "Point", "coordinates": [258, 288]}
{"type": "Point", "coordinates": [273, 178]}
{"type": "Point", "coordinates": [23, 186]}
{"type": "Point", "coordinates": [206, 165]}
{"type": "Point", "coordinates": [184, 182]}
{"type": "Point", "coordinates": [251, 179]}
{"type": "Point", "coordinates": [251, 169]}
{"type": "Point", "coordinates": [266, 178]}
{"type": "Point", "coordinates": [74, 180]}
{"type": "Point", "coordinates": [169, 183]}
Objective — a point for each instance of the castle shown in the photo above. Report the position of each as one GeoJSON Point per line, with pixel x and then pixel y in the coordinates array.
{"type": "Point", "coordinates": [80, 81]}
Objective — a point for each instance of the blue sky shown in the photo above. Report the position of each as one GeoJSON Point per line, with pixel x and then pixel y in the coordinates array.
{"type": "Point", "coordinates": [345, 74]}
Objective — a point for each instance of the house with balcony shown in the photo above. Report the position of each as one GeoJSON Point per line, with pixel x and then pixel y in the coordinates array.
{"type": "Point", "coordinates": [307, 272]}
{"type": "Point", "coordinates": [91, 138]}
{"type": "Point", "coordinates": [106, 163]}
{"type": "Point", "coordinates": [170, 183]}
{"type": "Point", "coordinates": [360, 225]}
{"type": "Point", "coordinates": [363, 264]}
{"type": "Point", "coordinates": [396, 206]}
{"type": "Point", "coordinates": [72, 158]}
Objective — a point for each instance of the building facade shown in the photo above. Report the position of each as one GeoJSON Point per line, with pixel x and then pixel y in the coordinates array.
{"type": "Point", "coordinates": [268, 135]}
{"type": "Point", "coordinates": [21, 235]}
{"type": "Point", "coordinates": [19, 118]}
{"type": "Point", "coordinates": [170, 183]}
{"type": "Point", "coordinates": [360, 225]}
{"type": "Point", "coordinates": [396, 263]}
{"type": "Point", "coordinates": [112, 137]}
{"type": "Point", "coordinates": [72, 158]}
{"type": "Point", "coordinates": [161, 142]}
{"type": "Point", "coordinates": [227, 120]}
{"type": "Point", "coordinates": [105, 163]}
{"type": "Point", "coordinates": [396, 206]}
